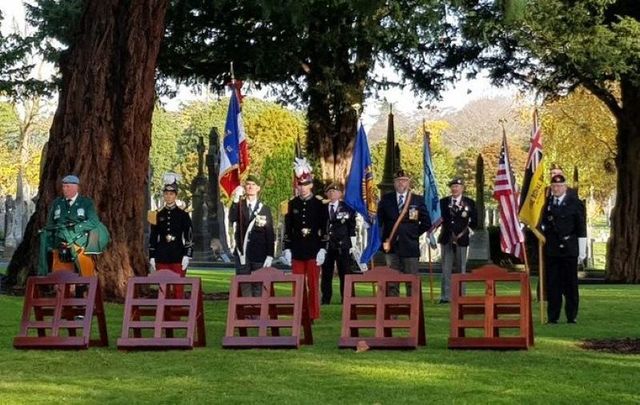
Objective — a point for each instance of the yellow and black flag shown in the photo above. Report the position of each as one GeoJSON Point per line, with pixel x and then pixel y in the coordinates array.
{"type": "Point", "coordinates": [532, 196]}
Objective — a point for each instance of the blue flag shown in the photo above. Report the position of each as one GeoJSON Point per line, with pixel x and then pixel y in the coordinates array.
{"type": "Point", "coordinates": [360, 193]}
{"type": "Point", "coordinates": [431, 198]}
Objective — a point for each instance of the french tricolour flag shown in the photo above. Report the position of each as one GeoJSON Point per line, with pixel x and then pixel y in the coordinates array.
{"type": "Point", "coordinates": [234, 154]}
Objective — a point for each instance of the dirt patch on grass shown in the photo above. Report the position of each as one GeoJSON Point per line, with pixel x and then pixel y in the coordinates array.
{"type": "Point", "coordinates": [620, 346]}
{"type": "Point", "coordinates": [219, 296]}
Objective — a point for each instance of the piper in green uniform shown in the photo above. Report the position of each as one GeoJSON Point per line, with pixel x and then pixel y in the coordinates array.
{"type": "Point", "coordinates": [73, 232]}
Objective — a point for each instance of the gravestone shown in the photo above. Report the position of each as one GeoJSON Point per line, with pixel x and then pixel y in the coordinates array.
{"type": "Point", "coordinates": [218, 242]}
{"type": "Point", "coordinates": [201, 249]}
{"type": "Point", "coordinates": [3, 212]}
{"type": "Point", "coordinates": [479, 250]}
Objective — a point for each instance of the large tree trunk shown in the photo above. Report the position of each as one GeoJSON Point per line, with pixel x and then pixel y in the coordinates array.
{"type": "Point", "coordinates": [623, 253]}
{"type": "Point", "coordinates": [336, 79]}
{"type": "Point", "coordinates": [330, 138]}
{"type": "Point", "coordinates": [102, 132]}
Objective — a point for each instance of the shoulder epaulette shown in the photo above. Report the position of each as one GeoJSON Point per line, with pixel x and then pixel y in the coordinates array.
{"type": "Point", "coordinates": [152, 216]}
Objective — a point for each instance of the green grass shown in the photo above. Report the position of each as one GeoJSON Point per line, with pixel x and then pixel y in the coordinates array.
{"type": "Point", "coordinates": [554, 371]}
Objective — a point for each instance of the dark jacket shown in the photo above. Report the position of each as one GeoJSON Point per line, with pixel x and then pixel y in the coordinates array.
{"type": "Point", "coordinates": [414, 224]}
{"type": "Point", "coordinates": [341, 228]}
{"type": "Point", "coordinates": [456, 220]}
{"type": "Point", "coordinates": [562, 225]}
{"type": "Point", "coordinates": [261, 238]}
{"type": "Point", "coordinates": [305, 227]}
{"type": "Point", "coordinates": [171, 237]}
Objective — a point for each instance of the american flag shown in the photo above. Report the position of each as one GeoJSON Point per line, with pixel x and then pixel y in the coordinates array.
{"type": "Point", "coordinates": [511, 235]}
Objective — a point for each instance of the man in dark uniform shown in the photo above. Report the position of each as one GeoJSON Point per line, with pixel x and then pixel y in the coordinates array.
{"type": "Point", "coordinates": [459, 217]}
{"type": "Point", "coordinates": [555, 170]}
{"type": "Point", "coordinates": [401, 245]}
{"type": "Point", "coordinates": [341, 228]}
{"type": "Point", "coordinates": [73, 232]}
{"type": "Point", "coordinates": [254, 234]}
{"type": "Point", "coordinates": [305, 240]}
{"type": "Point", "coordinates": [171, 237]}
{"type": "Point", "coordinates": [564, 228]}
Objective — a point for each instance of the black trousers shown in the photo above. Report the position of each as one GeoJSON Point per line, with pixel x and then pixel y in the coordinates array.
{"type": "Point", "coordinates": [562, 280]}
{"type": "Point", "coordinates": [342, 259]}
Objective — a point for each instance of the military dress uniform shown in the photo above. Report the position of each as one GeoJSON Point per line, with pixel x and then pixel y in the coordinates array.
{"type": "Point", "coordinates": [171, 239]}
{"type": "Point", "coordinates": [404, 247]}
{"type": "Point", "coordinates": [72, 234]}
{"type": "Point", "coordinates": [563, 224]}
{"type": "Point", "coordinates": [459, 216]}
{"type": "Point", "coordinates": [341, 227]}
{"type": "Point", "coordinates": [254, 238]}
{"type": "Point", "coordinates": [305, 235]}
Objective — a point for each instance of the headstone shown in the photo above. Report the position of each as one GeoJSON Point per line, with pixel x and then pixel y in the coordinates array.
{"type": "Point", "coordinates": [3, 212]}
{"type": "Point", "coordinates": [386, 184]}
{"type": "Point", "coordinates": [201, 249]}
{"type": "Point", "coordinates": [218, 242]}
{"type": "Point", "coordinates": [480, 190]}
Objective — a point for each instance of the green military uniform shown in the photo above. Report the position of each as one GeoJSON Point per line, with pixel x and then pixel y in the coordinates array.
{"type": "Point", "coordinates": [68, 225]}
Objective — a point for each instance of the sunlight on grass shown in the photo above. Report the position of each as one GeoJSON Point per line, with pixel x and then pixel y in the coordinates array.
{"type": "Point", "coordinates": [556, 370]}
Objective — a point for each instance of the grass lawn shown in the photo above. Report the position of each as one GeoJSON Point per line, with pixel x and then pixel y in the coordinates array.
{"type": "Point", "coordinates": [554, 371]}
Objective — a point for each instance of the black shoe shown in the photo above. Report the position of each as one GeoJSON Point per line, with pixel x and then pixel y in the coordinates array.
{"type": "Point", "coordinates": [325, 303]}
{"type": "Point", "coordinates": [550, 322]}
{"type": "Point", "coordinates": [443, 301]}
{"type": "Point", "coordinates": [572, 321]}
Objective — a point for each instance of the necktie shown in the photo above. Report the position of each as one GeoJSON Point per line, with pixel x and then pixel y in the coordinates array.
{"type": "Point", "coordinates": [332, 212]}
{"type": "Point", "coordinates": [556, 201]}
{"type": "Point", "coordinates": [400, 201]}
{"type": "Point", "coordinates": [250, 206]}
{"type": "Point", "coordinates": [69, 202]}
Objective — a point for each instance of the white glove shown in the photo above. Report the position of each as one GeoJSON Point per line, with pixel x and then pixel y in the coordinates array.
{"type": "Point", "coordinates": [185, 262]}
{"type": "Point", "coordinates": [354, 242]}
{"type": "Point", "coordinates": [355, 253]}
{"type": "Point", "coordinates": [432, 241]}
{"type": "Point", "coordinates": [286, 257]}
{"type": "Point", "coordinates": [237, 193]}
{"type": "Point", "coordinates": [320, 257]}
{"type": "Point", "coordinates": [267, 261]}
{"type": "Point", "coordinates": [152, 264]}
{"type": "Point", "coordinates": [363, 267]}
{"type": "Point", "coordinates": [582, 249]}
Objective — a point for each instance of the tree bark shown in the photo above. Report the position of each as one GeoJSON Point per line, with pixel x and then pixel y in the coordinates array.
{"type": "Point", "coordinates": [102, 132]}
{"type": "Point", "coordinates": [623, 249]}
{"type": "Point", "coordinates": [336, 83]}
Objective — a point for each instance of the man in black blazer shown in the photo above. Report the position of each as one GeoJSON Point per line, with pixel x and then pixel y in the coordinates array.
{"type": "Point", "coordinates": [402, 248]}
{"type": "Point", "coordinates": [254, 233]}
{"type": "Point", "coordinates": [459, 217]}
{"type": "Point", "coordinates": [564, 228]}
{"type": "Point", "coordinates": [341, 229]}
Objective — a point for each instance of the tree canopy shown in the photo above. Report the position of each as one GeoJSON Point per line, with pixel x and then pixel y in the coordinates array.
{"type": "Point", "coordinates": [554, 46]}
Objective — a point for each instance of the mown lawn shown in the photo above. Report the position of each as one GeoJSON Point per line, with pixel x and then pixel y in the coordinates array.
{"type": "Point", "coordinates": [554, 371]}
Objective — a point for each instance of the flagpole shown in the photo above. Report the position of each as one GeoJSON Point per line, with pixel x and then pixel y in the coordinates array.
{"type": "Point", "coordinates": [240, 213]}
{"type": "Point", "coordinates": [430, 274]}
{"type": "Point", "coordinates": [541, 278]}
